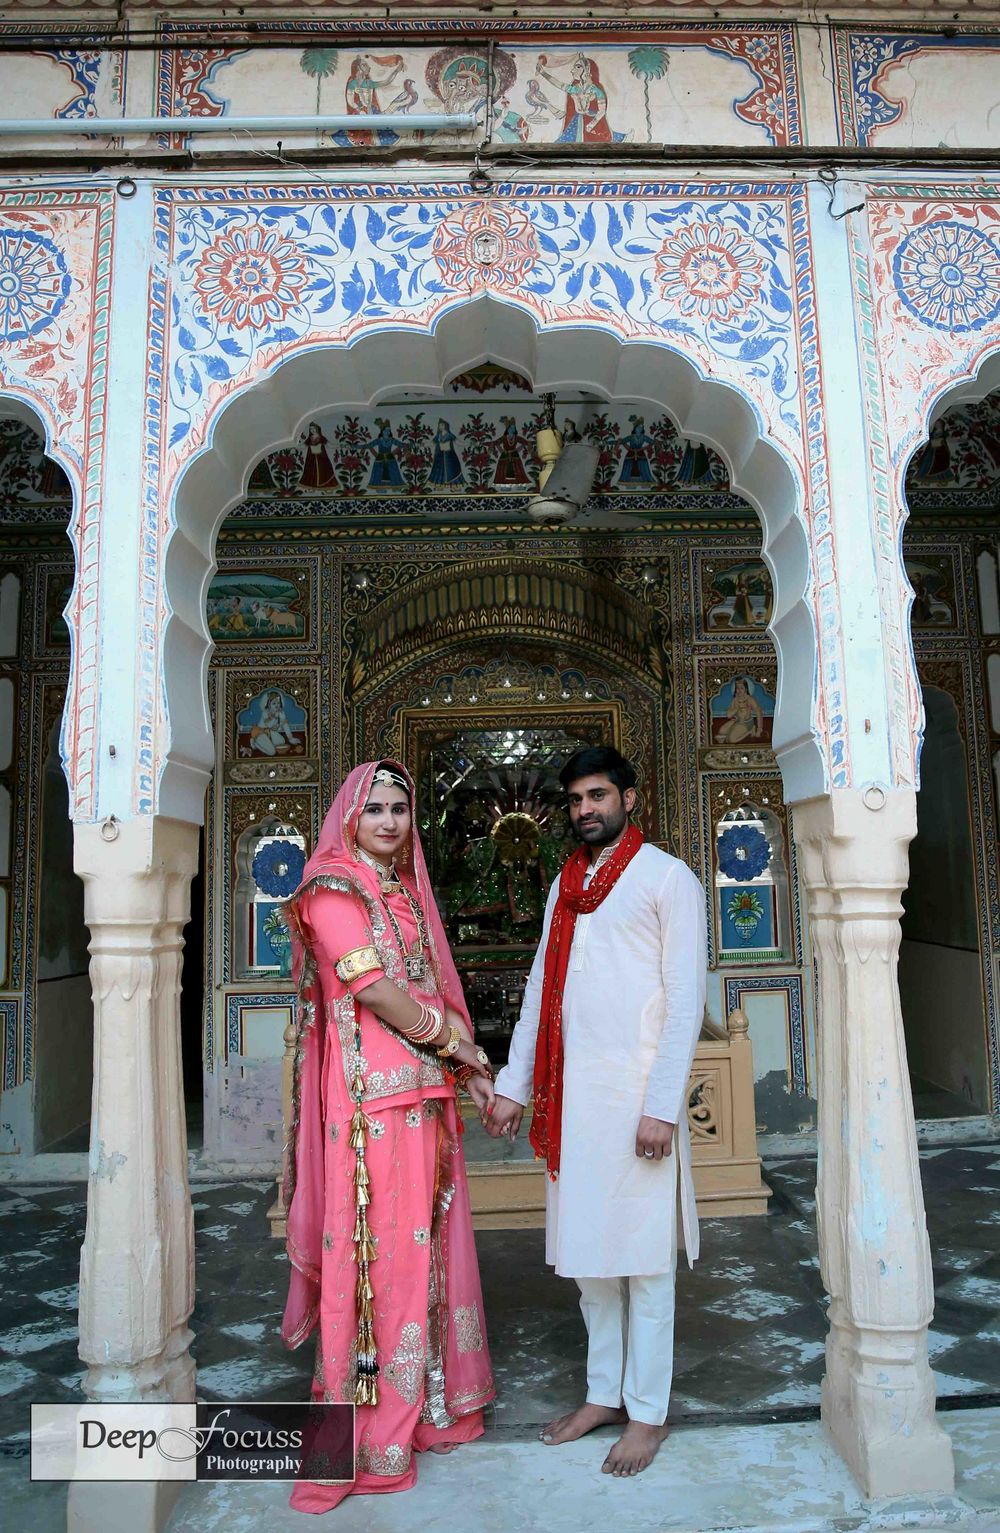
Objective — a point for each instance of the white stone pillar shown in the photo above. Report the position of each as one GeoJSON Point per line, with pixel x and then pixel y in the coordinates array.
{"type": "Point", "coordinates": [137, 1263]}
{"type": "Point", "coordinates": [878, 1394]}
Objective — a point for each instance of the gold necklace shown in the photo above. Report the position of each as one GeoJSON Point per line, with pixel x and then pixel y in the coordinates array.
{"type": "Point", "coordinates": [415, 958]}
{"type": "Point", "coordinates": [388, 877]}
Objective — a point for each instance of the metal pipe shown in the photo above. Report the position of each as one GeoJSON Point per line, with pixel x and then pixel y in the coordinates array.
{"type": "Point", "coordinates": [123, 127]}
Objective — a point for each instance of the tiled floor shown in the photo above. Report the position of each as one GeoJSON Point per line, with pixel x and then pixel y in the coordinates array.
{"type": "Point", "coordinates": [750, 1318]}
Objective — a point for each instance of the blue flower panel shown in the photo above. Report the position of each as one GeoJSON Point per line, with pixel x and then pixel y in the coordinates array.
{"type": "Point", "coordinates": [747, 918]}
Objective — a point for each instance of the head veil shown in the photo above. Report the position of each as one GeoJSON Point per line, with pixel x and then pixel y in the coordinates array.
{"type": "Point", "coordinates": [336, 857]}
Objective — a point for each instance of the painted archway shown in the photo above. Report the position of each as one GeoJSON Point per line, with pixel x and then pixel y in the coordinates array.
{"type": "Point", "coordinates": [278, 308]}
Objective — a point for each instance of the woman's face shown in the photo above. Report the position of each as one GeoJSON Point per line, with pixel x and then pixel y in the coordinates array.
{"type": "Point", "coordinates": [384, 826]}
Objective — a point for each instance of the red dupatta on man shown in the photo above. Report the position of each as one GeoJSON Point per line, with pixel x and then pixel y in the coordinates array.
{"type": "Point", "coordinates": [573, 900]}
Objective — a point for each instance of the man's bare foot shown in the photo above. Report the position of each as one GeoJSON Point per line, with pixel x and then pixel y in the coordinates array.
{"type": "Point", "coordinates": [635, 1450]}
{"type": "Point", "coordinates": [566, 1429]}
{"type": "Point", "coordinates": [442, 1447]}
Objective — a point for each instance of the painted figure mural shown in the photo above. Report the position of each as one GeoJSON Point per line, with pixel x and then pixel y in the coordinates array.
{"type": "Point", "coordinates": [586, 112]}
{"type": "Point", "coordinates": [272, 725]}
{"type": "Point", "coordinates": [635, 465]}
{"type": "Point", "coordinates": [317, 470]}
{"type": "Point", "coordinates": [742, 712]}
{"type": "Point", "coordinates": [253, 607]}
{"type": "Point", "coordinates": [510, 469]}
{"type": "Point", "coordinates": [933, 592]}
{"type": "Point", "coordinates": [446, 467]}
{"type": "Point", "coordinates": [459, 79]}
{"type": "Point", "coordinates": [737, 596]}
{"type": "Point", "coordinates": [489, 449]}
{"type": "Point", "coordinates": [369, 75]}
{"type": "Point", "coordinates": [385, 472]}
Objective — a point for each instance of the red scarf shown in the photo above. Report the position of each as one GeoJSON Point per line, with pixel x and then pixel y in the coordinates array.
{"type": "Point", "coordinates": [573, 900]}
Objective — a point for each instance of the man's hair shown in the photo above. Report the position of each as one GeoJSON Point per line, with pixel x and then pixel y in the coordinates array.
{"type": "Point", "coordinates": [590, 759]}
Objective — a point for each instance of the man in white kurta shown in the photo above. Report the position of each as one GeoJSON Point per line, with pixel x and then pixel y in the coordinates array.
{"type": "Point", "coordinates": [633, 1003]}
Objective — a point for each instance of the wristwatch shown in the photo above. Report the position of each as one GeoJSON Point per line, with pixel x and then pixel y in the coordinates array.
{"type": "Point", "coordinates": [453, 1045]}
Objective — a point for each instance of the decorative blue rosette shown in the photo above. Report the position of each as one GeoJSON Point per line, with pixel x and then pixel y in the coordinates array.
{"type": "Point", "coordinates": [277, 868]}
{"type": "Point", "coordinates": [744, 852]}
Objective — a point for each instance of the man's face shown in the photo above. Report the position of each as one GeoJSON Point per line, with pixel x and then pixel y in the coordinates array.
{"type": "Point", "coordinates": [598, 812]}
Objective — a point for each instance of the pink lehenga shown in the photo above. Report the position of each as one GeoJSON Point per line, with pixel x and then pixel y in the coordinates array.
{"type": "Point", "coordinates": [379, 1224]}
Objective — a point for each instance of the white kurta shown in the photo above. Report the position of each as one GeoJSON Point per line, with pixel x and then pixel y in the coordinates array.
{"type": "Point", "coordinates": [632, 1013]}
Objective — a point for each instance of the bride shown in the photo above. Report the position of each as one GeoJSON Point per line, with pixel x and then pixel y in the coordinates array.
{"type": "Point", "coordinates": [380, 1239]}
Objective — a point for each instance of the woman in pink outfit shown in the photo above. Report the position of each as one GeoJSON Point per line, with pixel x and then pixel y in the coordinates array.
{"type": "Point", "coordinates": [379, 1224]}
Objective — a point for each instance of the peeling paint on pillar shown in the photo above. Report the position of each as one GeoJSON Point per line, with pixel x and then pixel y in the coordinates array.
{"type": "Point", "coordinates": [106, 1166]}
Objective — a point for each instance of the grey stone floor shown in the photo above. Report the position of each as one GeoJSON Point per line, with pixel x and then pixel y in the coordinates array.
{"type": "Point", "coordinates": [750, 1317]}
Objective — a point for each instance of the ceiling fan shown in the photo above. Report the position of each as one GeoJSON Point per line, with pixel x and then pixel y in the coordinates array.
{"type": "Point", "coordinates": [566, 480]}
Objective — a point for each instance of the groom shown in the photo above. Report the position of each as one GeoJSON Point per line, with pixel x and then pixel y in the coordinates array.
{"type": "Point", "coordinates": [612, 1012]}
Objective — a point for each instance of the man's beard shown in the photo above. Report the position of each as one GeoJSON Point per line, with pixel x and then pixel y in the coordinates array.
{"type": "Point", "coordinates": [603, 830]}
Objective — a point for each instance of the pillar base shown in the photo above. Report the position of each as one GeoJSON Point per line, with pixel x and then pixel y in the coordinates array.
{"type": "Point", "coordinates": [915, 1460]}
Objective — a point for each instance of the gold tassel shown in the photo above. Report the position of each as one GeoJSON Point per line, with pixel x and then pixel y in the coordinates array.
{"type": "Point", "coordinates": [366, 1387]}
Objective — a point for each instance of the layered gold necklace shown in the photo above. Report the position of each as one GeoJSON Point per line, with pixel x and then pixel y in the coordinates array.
{"type": "Point", "coordinates": [416, 959]}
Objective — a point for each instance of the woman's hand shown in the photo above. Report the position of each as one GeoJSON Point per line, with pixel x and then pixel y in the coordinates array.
{"type": "Point", "coordinates": [482, 1093]}
{"type": "Point", "coordinates": [468, 1054]}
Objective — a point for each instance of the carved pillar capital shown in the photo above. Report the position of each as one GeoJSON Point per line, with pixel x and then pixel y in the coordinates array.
{"type": "Point", "coordinates": [878, 1393]}
{"type": "Point", "coordinates": [137, 1261]}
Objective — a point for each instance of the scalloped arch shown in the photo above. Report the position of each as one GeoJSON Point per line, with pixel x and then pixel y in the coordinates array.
{"type": "Point", "coordinates": [272, 409]}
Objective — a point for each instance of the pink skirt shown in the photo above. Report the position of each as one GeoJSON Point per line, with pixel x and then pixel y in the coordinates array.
{"type": "Point", "coordinates": [434, 1367]}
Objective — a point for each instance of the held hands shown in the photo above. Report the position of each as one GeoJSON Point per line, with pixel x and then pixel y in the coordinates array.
{"type": "Point", "coordinates": [504, 1119]}
{"type": "Point", "coordinates": [482, 1093]}
{"type": "Point", "coordinates": [653, 1138]}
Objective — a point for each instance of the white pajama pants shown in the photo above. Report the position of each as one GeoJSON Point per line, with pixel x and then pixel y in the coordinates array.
{"type": "Point", "coordinates": [630, 1343]}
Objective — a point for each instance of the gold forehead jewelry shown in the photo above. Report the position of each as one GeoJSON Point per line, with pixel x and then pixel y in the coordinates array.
{"type": "Point", "coordinates": [391, 779]}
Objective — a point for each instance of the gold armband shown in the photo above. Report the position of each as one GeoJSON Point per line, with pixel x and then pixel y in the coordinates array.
{"type": "Point", "coordinates": [359, 961]}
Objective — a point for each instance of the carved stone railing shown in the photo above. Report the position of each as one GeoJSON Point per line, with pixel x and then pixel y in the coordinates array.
{"type": "Point", "coordinates": [510, 1194]}
{"type": "Point", "coordinates": [723, 1122]}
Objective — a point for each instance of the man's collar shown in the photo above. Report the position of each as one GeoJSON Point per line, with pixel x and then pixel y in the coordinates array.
{"type": "Point", "coordinates": [606, 852]}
